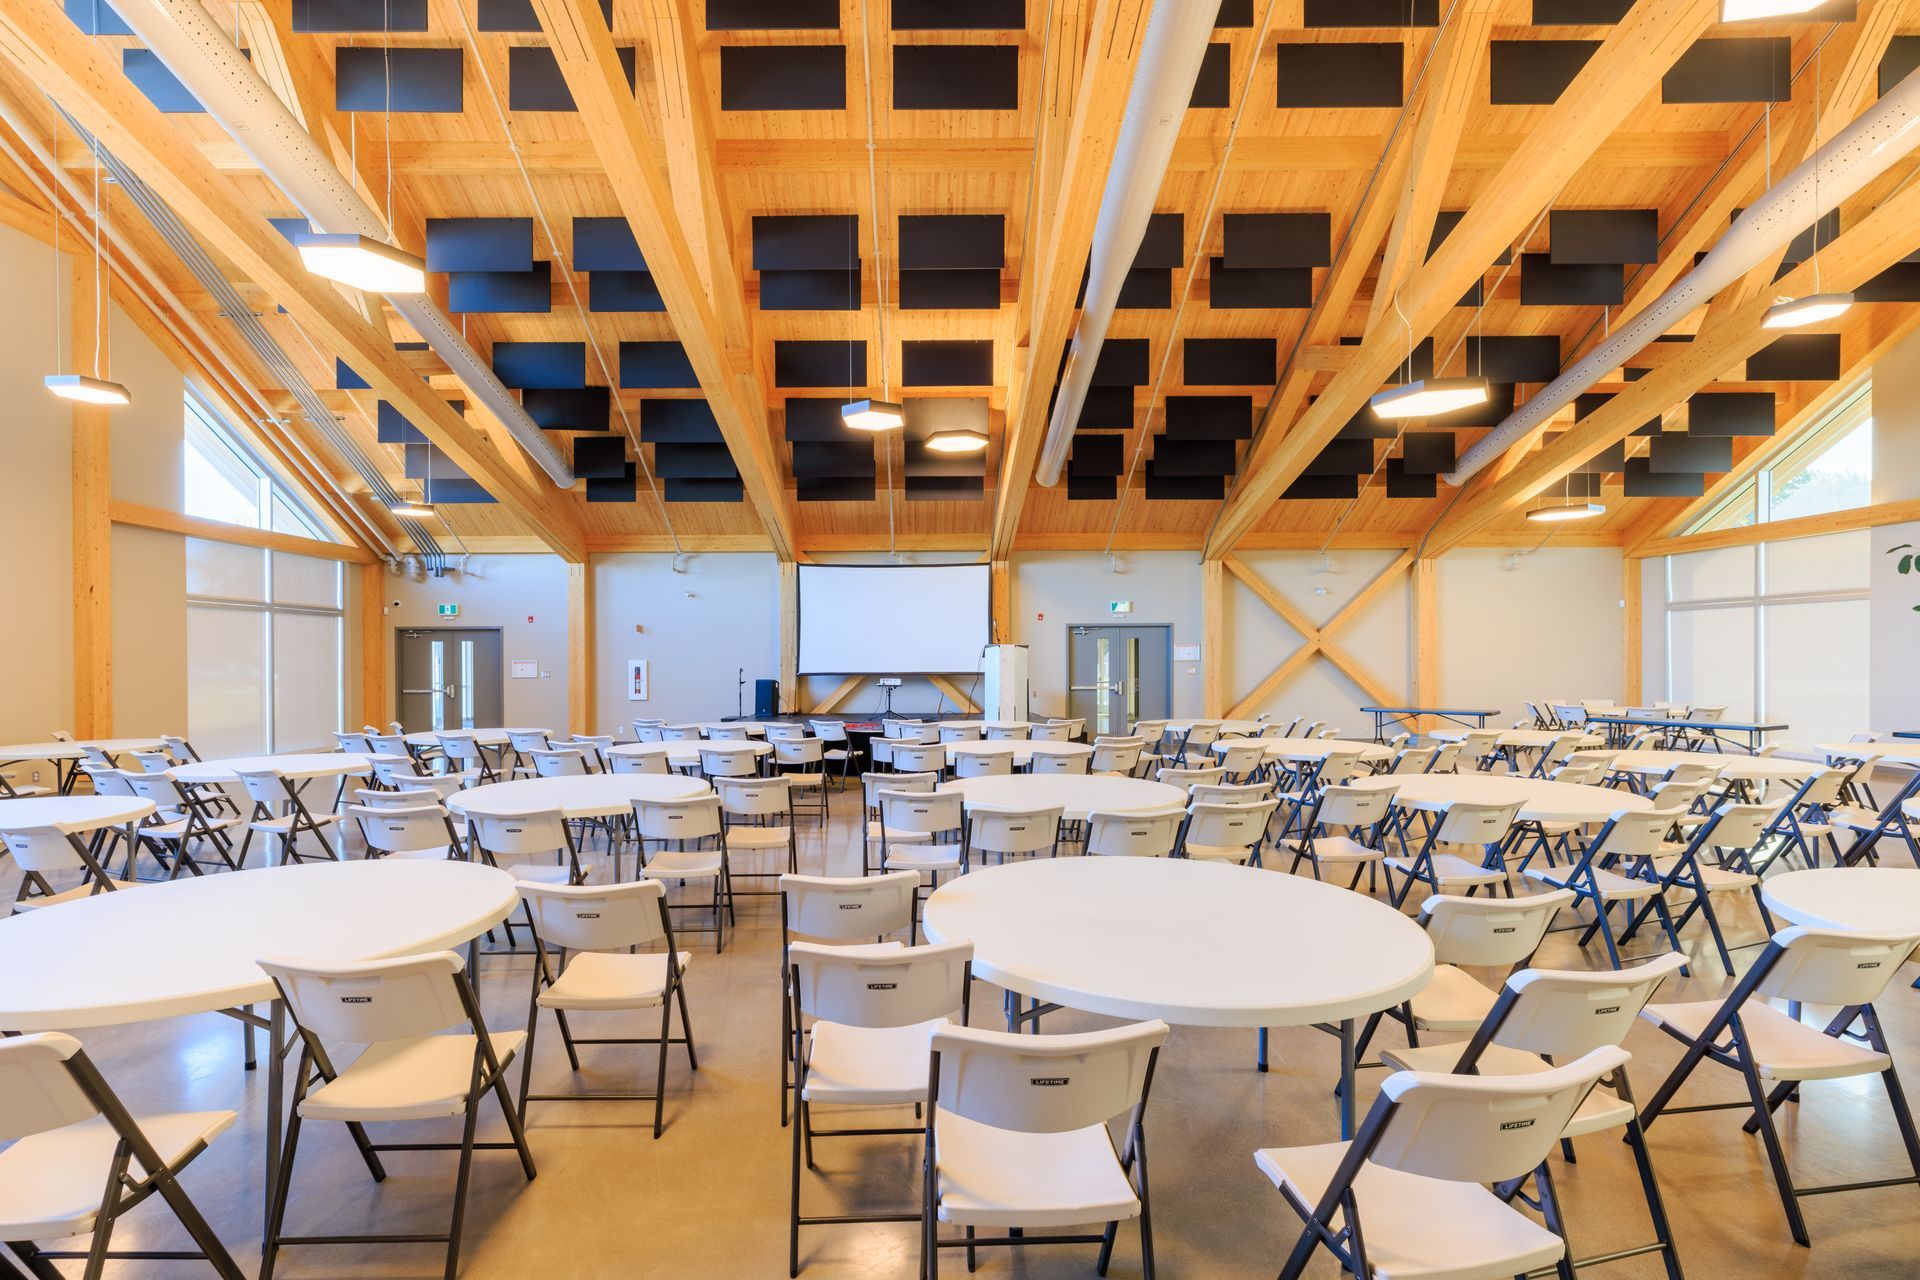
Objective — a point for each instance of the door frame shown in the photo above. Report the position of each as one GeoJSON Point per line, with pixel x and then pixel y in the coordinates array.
{"type": "Point", "coordinates": [399, 633]}
{"type": "Point", "coordinates": [1066, 656]}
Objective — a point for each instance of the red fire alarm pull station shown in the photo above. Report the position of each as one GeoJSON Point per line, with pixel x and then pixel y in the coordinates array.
{"type": "Point", "coordinates": [529, 617]}
{"type": "Point", "coordinates": [1039, 617]}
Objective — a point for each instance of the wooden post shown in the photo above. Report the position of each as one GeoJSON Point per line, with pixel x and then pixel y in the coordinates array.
{"type": "Point", "coordinates": [789, 637]}
{"type": "Point", "coordinates": [92, 519]}
{"type": "Point", "coordinates": [580, 646]}
{"type": "Point", "coordinates": [1213, 638]}
{"type": "Point", "coordinates": [375, 708]}
{"type": "Point", "coordinates": [1000, 591]}
{"type": "Point", "coordinates": [1630, 622]}
{"type": "Point", "coordinates": [1426, 636]}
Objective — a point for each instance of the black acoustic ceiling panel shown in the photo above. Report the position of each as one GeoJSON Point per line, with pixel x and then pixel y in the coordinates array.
{"type": "Point", "coordinates": [1901, 60]}
{"type": "Point", "coordinates": [1162, 246]}
{"type": "Point", "coordinates": [1193, 457]}
{"type": "Point", "coordinates": [355, 17]}
{"type": "Point", "coordinates": [1342, 458]}
{"type": "Point", "coordinates": [623, 489]}
{"type": "Point", "coordinates": [1582, 486]}
{"type": "Point", "coordinates": [832, 489]}
{"type": "Point", "coordinates": [1797, 357]}
{"type": "Point", "coordinates": [1730, 413]}
{"type": "Point", "coordinates": [946, 364]}
{"type": "Point", "coordinates": [518, 15]}
{"type": "Point", "coordinates": [1673, 451]}
{"type": "Point", "coordinates": [929, 414]}
{"type": "Point", "coordinates": [425, 80]}
{"type": "Point", "coordinates": [1084, 488]}
{"type": "Point", "coordinates": [390, 426]}
{"type": "Point", "coordinates": [1443, 224]}
{"type": "Point", "coordinates": [1276, 240]}
{"type": "Point", "coordinates": [693, 462]}
{"type": "Point", "coordinates": [1145, 289]}
{"type": "Point", "coordinates": [1213, 87]}
{"type": "Point", "coordinates": [623, 291]}
{"type": "Point", "coordinates": [600, 457]}
{"type": "Point", "coordinates": [1750, 69]}
{"type": "Point", "coordinates": [678, 422]}
{"type": "Point", "coordinates": [1642, 481]}
{"type": "Point", "coordinates": [1123, 362]}
{"type": "Point", "coordinates": [1234, 13]}
{"type": "Point", "coordinates": [1417, 365]}
{"type": "Point", "coordinates": [703, 490]}
{"type": "Point", "coordinates": [1342, 487]}
{"type": "Point", "coordinates": [1603, 236]}
{"type": "Point", "coordinates": [806, 242]}
{"type": "Point", "coordinates": [974, 241]}
{"type": "Point", "coordinates": [1524, 358]}
{"type": "Point", "coordinates": [817, 419]}
{"type": "Point", "coordinates": [450, 485]}
{"type": "Point", "coordinates": [1402, 483]}
{"type": "Point", "coordinates": [816, 459]}
{"type": "Point", "coordinates": [540, 364]}
{"type": "Point", "coordinates": [819, 363]}
{"type": "Point", "coordinates": [345, 379]}
{"type": "Point", "coordinates": [1579, 13]}
{"type": "Point", "coordinates": [161, 87]}
{"type": "Point", "coordinates": [923, 462]}
{"type": "Point", "coordinates": [1427, 452]}
{"type": "Point", "coordinates": [1801, 247]}
{"type": "Point", "coordinates": [956, 77]}
{"type": "Point", "coordinates": [1209, 417]}
{"type": "Point", "coordinates": [974, 15]}
{"type": "Point", "coordinates": [773, 15]}
{"type": "Point", "coordinates": [96, 18]}
{"type": "Point", "coordinates": [479, 244]}
{"type": "Point", "coordinates": [1171, 488]}
{"type": "Point", "coordinates": [1898, 283]}
{"type": "Point", "coordinates": [1098, 455]}
{"type": "Point", "coordinates": [1254, 288]}
{"type": "Point", "coordinates": [810, 290]}
{"type": "Point", "coordinates": [534, 81]}
{"type": "Point", "coordinates": [1340, 75]}
{"type": "Point", "coordinates": [783, 77]}
{"type": "Point", "coordinates": [1586, 402]}
{"type": "Point", "coordinates": [656, 366]}
{"type": "Point", "coordinates": [1545, 283]}
{"type": "Point", "coordinates": [1327, 14]}
{"type": "Point", "coordinates": [601, 244]}
{"type": "Point", "coordinates": [1534, 73]}
{"type": "Point", "coordinates": [944, 488]}
{"type": "Point", "coordinates": [1364, 426]}
{"type": "Point", "coordinates": [950, 289]}
{"type": "Point", "coordinates": [1106, 409]}
{"type": "Point", "coordinates": [1229, 362]}
{"type": "Point", "coordinates": [1609, 461]}
{"type": "Point", "coordinates": [517, 291]}
{"type": "Point", "coordinates": [567, 408]}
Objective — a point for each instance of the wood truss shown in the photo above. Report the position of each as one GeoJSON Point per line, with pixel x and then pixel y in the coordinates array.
{"type": "Point", "coordinates": [1315, 640]}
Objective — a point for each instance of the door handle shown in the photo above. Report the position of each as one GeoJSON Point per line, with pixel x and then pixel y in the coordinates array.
{"type": "Point", "coordinates": [431, 692]}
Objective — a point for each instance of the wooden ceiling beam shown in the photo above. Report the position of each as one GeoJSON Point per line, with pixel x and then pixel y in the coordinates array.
{"type": "Point", "coordinates": [724, 364]}
{"type": "Point", "coordinates": [1622, 71]}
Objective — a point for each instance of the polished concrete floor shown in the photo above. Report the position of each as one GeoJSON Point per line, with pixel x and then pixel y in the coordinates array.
{"type": "Point", "coordinates": [709, 1198]}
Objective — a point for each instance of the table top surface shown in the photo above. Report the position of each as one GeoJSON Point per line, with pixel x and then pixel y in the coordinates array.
{"type": "Point", "coordinates": [1019, 749]}
{"type": "Point", "coordinates": [72, 813]}
{"type": "Point", "coordinates": [75, 750]}
{"type": "Point", "coordinates": [986, 724]}
{"type": "Point", "coordinates": [490, 737]}
{"type": "Point", "coordinates": [1895, 751]}
{"type": "Point", "coordinates": [1224, 726]}
{"type": "Point", "coordinates": [190, 946]}
{"type": "Point", "coordinates": [1077, 794]}
{"type": "Point", "coordinates": [1658, 722]}
{"type": "Point", "coordinates": [703, 726]}
{"type": "Point", "coordinates": [1427, 711]}
{"type": "Point", "coordinates": [1540, 800]}
{"type": "Point", "coordinates": [1876, 900]}
{"type": "Point", "coordinates": [1730, 766]}
{"type": "Point", "coordinates": [324, 764]}
{"type": "Point", "coordinates": [1309, 748]}
{"type": "Point", "coordinates": [687, 751]}
{"type": "Point", "coordinates": [592, 795]}
{"type": "Point", "coordinates": [1105, 935]}
{"type": "Point", "coordinates": [1531, 739]}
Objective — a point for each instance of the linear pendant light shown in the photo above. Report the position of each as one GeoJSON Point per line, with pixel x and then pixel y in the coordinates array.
{"type": "Point", "coordinates": [1559, 511]}
{"type": "Point", "coordinates": [361, 262]}
{"type": "Point", "coordinates": [1430, 396]}
{"type": "Point", "coordinates": [79, 386]}
{"type": "Point", "coordinates": [1794, 313]}
{"type": "Point", "coordinates": [1753, 10]}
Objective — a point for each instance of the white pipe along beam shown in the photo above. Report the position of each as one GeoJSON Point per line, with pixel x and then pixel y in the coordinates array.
{"type": "Point", "coordinates": [1858, 154]}
{"type": "Point", "coordinates": [184, 36]}
{"type": "Point", "coordinates": [1170, 57]}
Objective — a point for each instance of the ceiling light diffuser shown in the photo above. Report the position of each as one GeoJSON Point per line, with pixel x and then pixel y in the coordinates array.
{"type": "Point", "coordinates": [873, 415]}
{"type": "Point", "coordinates": [1793, 313]}
{"type": "Point", "coordinates": [1751, 10]}
{"type": "Point", "coordinates": [411, 510]}
{"type": "Point", "coordinates": [1555, 512]}
{"type": "Point", "coordinates": [78, 386]}
{"type": "Point", "coordinates": [362, 262]}
{"type": "Point", "coordinates": [1429, 397]}
{"type": "Point", "coordinates": [956, 442]}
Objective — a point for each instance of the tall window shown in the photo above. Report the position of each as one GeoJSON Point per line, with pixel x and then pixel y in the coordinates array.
{"type": "Point", "coordinates": [1830, 468]}
{"type": "Point", "coordinates": [225, 481]}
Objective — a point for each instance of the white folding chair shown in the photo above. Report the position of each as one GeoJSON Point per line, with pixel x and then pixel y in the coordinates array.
{"type": "Point", "coordinates": [180, 822]}
{"type": "Point", "coordinates": [560, 762]}
{"type": "Point", "coordinates": [523, 743]}
{"type": "Point", "coordinates": [974, 764]}
{"type": "Point", "coordinates": [1342, 828]}
{"type": "Point", "coordinates": [785, 732]}
{"type": "Point", "coordinates": [919, 757]}
{"type": "Point", "coordinates": [680, 733]}
{"type": "Point", "coordinates": [1240, 759]}
{"type": "Point", "coordinates": [1134, 835]}
{"type": "Point", "coordinates": [1011, 831]}
{"type": "Point", "coordinates": [465, 760]}
{"type": "Point", "coordinates": [1629, 838]}
{"type": "Point", "coordinates": [960, 733]}
{"type": "Point", "coordinates": [1006, 732]}
{"type": "Point", "coordinates": [1184, 778]}
{"type": "Point", "coordinates": [1221, 832]}
{"type": "Point", "coordinates": [1054, 762]}
{"type": "Point", "coordinates": [935, 823]}
{"type": "Point", "coordinates": [402, 773]}
{"type": "Point", "coordinates": [1050, 732]}
{"type": "Point", "coordinates": [758, 813]}
{"type": "Point", "coordinates": [44, 849]}
{"type": "Point", "coordinates": [269, 789]}
{"type": "Point", "coordinates": [729, 760]}
{"type": "Point", "coordinates": [1484, 825]}
{"type": "Point", "coordinates": [422, 833]}
{"type": "Point", "coordinates": [725, 733]}
{"type": "Point", "coordinates": [653, 762]}
{"type": "Point", "coordinates": [839, 747]}
{"type": "Point", "coordinates": [697, 835]}
{"type": "Point", "coordinates": [1119, 759]}
{"type": "Point", "coordinates": [508, 840]}
{"type": "Point", "coordinates": [871, 785]}
{"type": "Point", "coordinates": [803, 762]}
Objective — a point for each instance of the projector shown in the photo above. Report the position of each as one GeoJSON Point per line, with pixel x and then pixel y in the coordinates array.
{"type": "Point", "coordinates": [890, 682]}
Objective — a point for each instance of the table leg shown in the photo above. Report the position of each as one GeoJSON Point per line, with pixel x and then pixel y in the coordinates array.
{"type": "Point", "coordinates": [276, 1085]}
{"type": "Point", "coordinates": [1011, 1001]}
{"type": "Point", "coordinates": [1260, 1060]}
{"type": "Point", "coordinates": [1346, 1079]}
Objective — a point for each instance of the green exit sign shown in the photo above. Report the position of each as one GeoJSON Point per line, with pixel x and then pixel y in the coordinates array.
{"type": "Point", "coordinates": [449, 610]}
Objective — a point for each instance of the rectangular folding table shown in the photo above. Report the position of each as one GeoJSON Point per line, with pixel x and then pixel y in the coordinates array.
{"type": "Point", "coordinates": [1383, 716]}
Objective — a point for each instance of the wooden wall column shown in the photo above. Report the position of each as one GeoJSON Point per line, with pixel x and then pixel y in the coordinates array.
{"type": "Point", "coordinates": [1000, 592]}
{"type": "Point", "coordinates": [580, 647]}
{"type": "Point", "coordinates": [1213, 638]}
{"type": "Point", "coordinates": [789, 637]}
{"type": "Point", "coordinates": [1426, 635]}
{"type": "Point", "coordinates": [1630, 622]}
{"type": "Point", "coordinates": [92, 521]}
{"type": "Point", "coordinates": [375, 707]}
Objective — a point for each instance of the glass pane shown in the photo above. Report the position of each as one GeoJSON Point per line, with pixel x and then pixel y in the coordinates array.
{"type": "Point", "coordinates": [306, 580]}
{"type": "Point", "coordinates": [1739, 511]}
{"type": "Point", "coordinates": [1103, 700]}
{"type": "Point", "coordinates": [1711, 575]}
{"type": "Point", "coordinates": [1837, 477]}
{"type": "Point", "coordinates": [227, 680]}
{"type": "Point", "coordinates": [1833, 562]}
{"type": "Point", "coordinates": [220, 485]}
{"type": "Point", "coordinates": [225, 571]}
{"type": "Point", "coordinates": [286, 519]}
{"type": "Point", "coordinates": [1817, 668]}
{"type": "Point", "coordinates": [306, 681]}
{"type": "Point", "coordinates": [1710, 659]}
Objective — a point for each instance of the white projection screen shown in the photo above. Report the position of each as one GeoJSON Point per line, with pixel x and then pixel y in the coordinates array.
{"type": "Point", "coordinates": [892, 620]}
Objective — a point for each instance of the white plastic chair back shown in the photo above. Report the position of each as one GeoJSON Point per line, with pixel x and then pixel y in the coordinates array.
{"type": "Point", "coordinates": [1569, 713]}
{"type": "Point", "coordinates": [107, 780]}
{"type": "Point", "coordinates": [1336, 767]}
{"type": "Point", "coordinates": [726, 733]}
{"type": "Point", "coordinates": [1446, 759]}
{"type": "Point", "coordinates": [95, 755]}
{"type": "Point", "coordinates": [972, 764]}
{"type": "Point", "coordinates": [178, 747]}
{"type": "Point", "coordinates": [353, 743]}
{"type": "Point", "coordinates": [41, 849]}
{"type": "Point", "coordinates": [1149, 731]}
{"type": "Point", "coordinates": [1563, 745]}
{"type": "Point", "coordinates": [679, 733]}
{"type": "Point", "coordinates": [828, 730]}
{"type": "Point", "coordinates": [1476, 745]}
{"type": "Point", "coordinates": [919, 757]}
{"type": "Point", "coordinates": [560, 762]}
{"type": "Point", "coordinates": [1178, 777]}
{"type": "Point", "coordinates": [799, 752]}
{"type": "Point", "coordinates": [720, 762]}
{"type": "Point", "coordinates": [649, 732]}
{"type": "Point", "coordinates": [1481, 824]}
{"type": "Point", "coordinates": [595, 745]}
{"type": "Point", "coordinates": [755, 797]}
{"type": "Point", "coordinates": [1825, 788]}
{"type": "Point", "coordinates": [1590, 774]}
{"type": "Point", "coordinates": [922, 812]}
{"type": "Point", "coordinates": [1414, 759]}
{"type": "Point", "coordinates": [1006, 732]}
{"type": "Point", "coordinates": [388, 744]}
{"type": "Point", "coordinates": [37, 1092]}
{"type": "Point", "coordinates": [1044, 1084]}
{"type": "Point", "coordinates": [1240, 758]}
{"type": "Point", "coordinates": [849, 908]}
{"type": "Point", "coordinates": [1050, 732]}
{"type": "Point", "coordinates": [1075, 725]}
{"type": "Point", "coordinates": [410, 798]}
{"type": "Point", "coordinates": [694, 818]}
{"type": "Point", "coordinates": [1116, 757]}
{"type": "Point", "coordinates": [1050, 762]}
{"type": "Point", "coordinates": [654, 762]}
{"type": "Point", "coordinates": [995, 830]}
{"type": "Point", "coordinates": [1676, 797]}
{"type": "Point", "coordinates": [1484, 1128]}
{"type": "Point", "coordinates": [1230, 792]}
{"type": "Point", "coordinates": [960, 733]}
{"type": "Point", "coordinates": [160, 788]}
{"type": "Point", "coordinates": [1134, 835]}
{"type": "Point", "coordinates": [1562, 1014]}
{"type": "Point", "coordinates": [1489, 933]}
{"type": "Point", "coordinates": [896, 729]}
{"type": "Point", "coordinates": [264, 786]}
{"type": "Point", "coordinates": [1354, 806]}
{"type": "Point", "coordinates": [414, 830]}
{"type": "Point", "coordinates": [463, 749]}
{"type": "Point", "coordinates": [373, 1000]}
{"type": "Point", "coordinates": [1707, 715]}
{"type": "Point", "coordinates": [1825, 966]}
{"type": "Point", "coordinates": [1634, 835]}
{"type": "Point", "coordinates": [394, 771]}
{"type": "Point", "coordinates": [1230, 826]}
{"type": "Point", "coordinates": [527, 741]}
{"type": "Point", "coordinates": [872, 784]}
{"type": "Point", "coordinates": [149, 762]}
{"type": "Point", "coordinates": [880, 986]}
{"type": "Point", "coordinates": [1740, 826]}
{"type": "Point", "coordinates": [785, 732]}
{"type": "Point", "coordinates": [597, 917]}
{"type": "Point", "coordinates": [1685, 775]}
{"type": "Point", "coordinates": [521, 834]}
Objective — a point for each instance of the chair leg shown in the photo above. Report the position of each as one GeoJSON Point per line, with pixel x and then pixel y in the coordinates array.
{"type": "Point", "coordinates": [103, 1228]}
{"type": "Point", "coordinates": [660, 1079]}
{"type": "Point", "coordinates": [461, 1180]}
{"type": "Point", "coordinates": [277, 1214]}
{"type": "Point", "coordinates": [1776, 1154]}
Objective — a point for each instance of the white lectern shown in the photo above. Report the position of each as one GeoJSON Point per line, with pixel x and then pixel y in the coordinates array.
{"type": "Point", "coordinates": [1005, 678]}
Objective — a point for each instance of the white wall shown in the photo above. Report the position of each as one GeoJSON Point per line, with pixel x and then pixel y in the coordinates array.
{"type": "Point", "coordinates": [1895, 637]}
{"type": "Point", "coordinates": [696, 630]}
{"type": "Point", "coordinates": [525, 597]}
{"type": "Point", "coordinates": [1517, 626]}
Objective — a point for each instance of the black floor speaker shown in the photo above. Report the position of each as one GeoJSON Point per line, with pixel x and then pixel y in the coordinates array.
{"type": "Point", "coordinates": [766, 697]}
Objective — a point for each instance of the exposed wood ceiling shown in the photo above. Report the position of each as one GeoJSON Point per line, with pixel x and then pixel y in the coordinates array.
{"type": "Point", "coordinates": [693, 175]}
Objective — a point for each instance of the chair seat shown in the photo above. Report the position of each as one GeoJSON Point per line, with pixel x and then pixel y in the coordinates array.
{"type": "Point", "coordinates": [739, 838]}
{"type": "Point", "coordinates": [836, 753]}
{"type": "Point", "coordinates": [923, 857]}
{"type": "Point", "coordinates": [1717, 879]}
{"type": "Point", "coordinates": [893, 835]}
{"type": "Point", "coordinates": [1603, 1109]}
{"type": "Point", "coordinates": [611, 980]}
{"type": "Point", "coordinates": [1004, 1177]}
{"type": "Point", "coordinates": [1415, 1227]}
{"type": "Point", "coordinates": [682, 864]}
{"type": "Point", "coordinates": [868, 1066]}
{"type": "Point", "coordinates": [177, 828]}
{"type": "Point", "coordinates": [1612, 885]}
{"type": "Point", "coordinates": [1451, 869]}
{"type": "Point", "coordinates": [51, 1183]}
{"type": "Point", "coordinates": [1343, 849]}
{"type": "Point", "coordinates": [283, 824]}
{"type": "Point", "coordinates": [806, 778]}
{"type": "Point", "coordinates": [27, 791]}
{"type": "Point", "coordinates": [1218, 852]}
{"type": "Point", "coordinates": [547, 873]}
{"type": "Point", "coordinates": [413, 1079]}
{"type": "Point", "coordinates": [1782, 1048]}
{"type": "Point", "coordinates": [1854, 817]}
{"type": "Point", "coordinates": [1453, 1001]}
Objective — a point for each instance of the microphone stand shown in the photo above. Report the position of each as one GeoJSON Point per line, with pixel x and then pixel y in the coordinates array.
{"type": "Point", "coordinates": [740, 696]}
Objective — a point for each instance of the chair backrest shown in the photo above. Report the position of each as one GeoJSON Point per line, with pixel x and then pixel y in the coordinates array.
{"type": "Point", "coordinates": [1482, 1128]}
{"type": "Point", "coordinates": [1710, 715]}
{"type": "Point", "coordinates": [412, 830]}
{"type": "Point", "coordinates": [515, 834]}
{"type": "Point", "coordinates": [1233, 826]}
{"type": "Point", "coordinates": [975, 764]}
{"type": "Point", "coordinates": [1044, 1084]}
{"type": "Point", "coordinates": [1202, 735]}
{"type": "Point", "coordinates": [861, 986]}
{"type": "Point", "coordinates": [1489, 932]}
{"type": "Point", "coordinates": [388, 744]}
{"type": "Point", "coordinates": [1050, 732]}
{"type": "Point", "coordinates": [872, 784]}
{"type": "Point", "coordinates": [264, 786]}
{"type": "Point", "coordinates": [1414, 759]}
{"type": "Point", "coordinates": [654, 762]}
{"type": "Point", "coordinates": [1116, 757]}
{"type": "Point", "coordinates": [157, 787]}
{"type": "Point", "coordinates": [1177, 777]}
{"type": "Point", "coordinates": [1562, 1014]}
{"type": "Point", "coordinates": [597, 917]}
{"type": "Point", "coordinates": [38, 1091]}
{"type": "Point", "coordinates": [1134, 835]}
{"type": "Point", "coordinates": [1563, 745]}
{"type": "Point", "coordinates": [726, 733]}
{"type": "Point", "coordinates": [40, 848]}
{"type": "Point", "coordinates": [921, 757]}
{"type": "Point", "coordinates": [1589, 774]}
{"type": "Point", "coordinates": [149, 761]}
{"type": "Point", "coordinates": [409, 798]}
{"type": "Point", "coordinates": [95, 754]}
{"type": "Point", "coordinates": [560, 762]}
{"type": "Point", "coordinates": [848, 908]}
{"type": "Point", "coordinates": [524, 741]}
{"type": "Point", "coordinates": [353, 743]}
{"type": "Point", "coordinates": [785, 732]}
{"type": "Point", "coordinates": [643, 732]}
{"type": "Point", "coordinates": [960, 733]}
{"type": "Point", "coordinates": [1476, 745]}
{"type": "Point", "coordinates": [799, 751]}
{"type": "Point", "coordinates": [179, 748]}
{"type": "Point", "coordinates": [458, 747]}
{"type": "Point", "coordinates": [1229, 792]}
{"type": "Point", "coordinates": [755, 797]}
{"type": "Point", "coordinates": [1682, 775]}
{"type": "Point", "coordinates": [1569, 712]}
{"type": "Point", "coordinates": [373, 1000]}
{"type": "Point", "coordinates": [1238, 758]}
{"type": "Point", "coordinates": [723, 761]}
{"type": "Point", "coordinates": [680, 733]}
{"type": "Point", "coordinates": [1632, 835]}
{"type": "Point", "coordinates": [1446, 759]}
{"type": "Point", "coordinates": [1337, 767]}
{"type": "Point", "coordinates": [1827, 966]}
{"type": "Point", "coordinates": [596, 745]}
{"type": "Point", "coordinates": [828, 730]}
{"type": "Point", "coordinates": [1053, 762]}
{"type": "Point", "coordinates": [924, 812]}
{"type": "Point", "coordinates": [1006, 732]}
{"type": "Point", "coordinates": [394, 771]}
{"type": "Point", "coordinates": [1354, 806]}
{"type": "Point", "coordinates": [1149, 731]}
{"type": "Point", "coordinates": [107, 780]}
{"type": "Point", "coordinates": [1822, 787]}
{"type": "Point", "coordinates": [1481, 824]}
{"type": "Point", "coordinates": [693, 818]}
{"type": "Point", "coordinates": [896, 728]}
{"type": "Point", "coordinates": [1004, 830]}
{"type": "Point", "coordinates": [1738, 826]}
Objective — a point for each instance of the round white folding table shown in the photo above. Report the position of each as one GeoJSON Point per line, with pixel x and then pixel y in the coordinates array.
{"type": "Point", "coordinates": [1540, 800]}
{"type": "Point", "coordinates": [1021, 750]}
{"type": "Point", "coordinates": [1193, 943]}
{"type": "Point", "coordinates": [1907, 752]}
{"type": "Point", "coordinates": [1076, 794]}
{"type": "Point", "coordinates": [481, 737]}
{"type": "Point", "coordinates": [591, 795]}
{"type": "Point", "coordinates": [1881, 901]}
{"type": "Point", "coordinates": [1741, 768]}
{"type": "Point", "coordinates": [686, 754]}
{"type": "Point", "coordinates": [1309, 748]}
{"type": "Point", "coordinates": [190, 946]}
{"type": "Point", "coordinates": [65, 756]}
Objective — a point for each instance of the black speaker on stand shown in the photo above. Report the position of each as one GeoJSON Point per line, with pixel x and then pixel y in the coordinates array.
{"type": "Point", "coordinates": [766, 698]}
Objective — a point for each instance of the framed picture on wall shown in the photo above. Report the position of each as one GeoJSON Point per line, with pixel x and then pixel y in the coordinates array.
{"type": "Point", "coordinates": [637, 680]}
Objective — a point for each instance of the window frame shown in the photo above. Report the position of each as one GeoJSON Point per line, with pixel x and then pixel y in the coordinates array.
{"type": "Point", "coordinates": [1850, 412]}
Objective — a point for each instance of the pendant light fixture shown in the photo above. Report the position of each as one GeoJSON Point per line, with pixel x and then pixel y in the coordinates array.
{"type": "Point", "coordinates": [94, 389]}
{"type": "Point", "coordinates": [1812, 308]}
{"type": "Point", "coordinates": [1429, 396]}
{"type": "Point", "coordinates": [1565, 507]}
{"type": "Point", "coordinates": [956, 442]}
{"type": "Point", "coordinates": [406, 509]}
{"type": "Point", "coordinates": [361, 261]}
{"type": "Point", "coordinates": [1754, 10]}
{"type": "Point", "coordinates": [869, 415]}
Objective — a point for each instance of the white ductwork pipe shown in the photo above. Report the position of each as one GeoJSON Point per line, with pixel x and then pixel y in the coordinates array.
{"type": "Point", "coordinates": [1170, 57]}
{"type": "Point", "coordinates": [1857, 155]}
{"type": "Point", "coordinates": [184, 36]}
